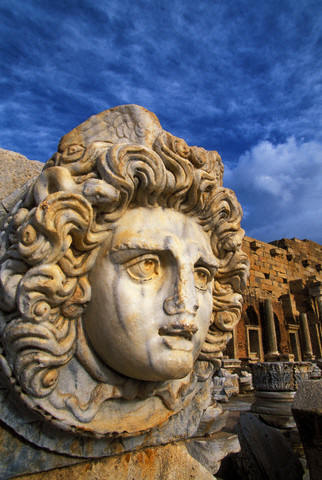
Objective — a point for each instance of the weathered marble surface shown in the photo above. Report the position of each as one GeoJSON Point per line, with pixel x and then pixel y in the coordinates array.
{"type": "Point", "coordinates": [121, 279]}
{"type": "Point", "coordinates": [169, 462]}
{"type": "Point", "coordinates": [196, 419]}
{"type": "Point", "coordinates": [209, 447]}
{"type": "Point", "coordinates": [20, 457]}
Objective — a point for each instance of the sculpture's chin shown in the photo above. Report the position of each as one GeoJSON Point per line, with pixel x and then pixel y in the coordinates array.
{"type": "Point", "coordinates": [172, 366]}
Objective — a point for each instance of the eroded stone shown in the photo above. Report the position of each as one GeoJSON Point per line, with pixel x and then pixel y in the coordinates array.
{"type": "Point", "coordinates": [169, 462]}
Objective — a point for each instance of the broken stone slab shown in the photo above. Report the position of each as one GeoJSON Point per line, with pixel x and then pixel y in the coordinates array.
{"type": "Point", "coordinates": [17, 175]}
{"type": "Point", "coordinates": [208, 443]}
{"type": "Point", "coordinates": [212, 450]}
{"type": "Point", "coordinates": [16, 170]}
{"type": "Point", "coordinates": [169, 462]}
{"type": "Point", "coordinates": [307, 411]}
{"type": "Point", "coordinates": [226, 384]}
{"type": "Point", "coordinates": [231, 364]}
{"type": "Point", "coordinates": [265, 454]}
{"type": "Point", "coordinates": [189, 422]}
{"type": "Point", "coordinates": [245, 382]}
{"type": "Point", "coordinates": [27, 457]}
{"type": "Point", "coordinates": [316, 372]}
{"type": "Point", "coordinates": [209, 451]}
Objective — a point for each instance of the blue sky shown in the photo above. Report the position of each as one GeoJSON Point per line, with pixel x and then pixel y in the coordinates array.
{"type": "Point", "coordinates": [239, 76]}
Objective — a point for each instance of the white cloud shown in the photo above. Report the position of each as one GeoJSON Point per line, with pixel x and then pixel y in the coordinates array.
{"type": "Point", "coordinates": [281, 188]}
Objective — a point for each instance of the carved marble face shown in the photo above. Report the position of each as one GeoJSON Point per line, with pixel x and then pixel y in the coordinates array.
{"type": "Point", "coordinates": [151, 295]}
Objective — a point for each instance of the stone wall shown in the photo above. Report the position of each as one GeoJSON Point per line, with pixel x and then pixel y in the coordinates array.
{"type": "Point", "coordinates": [288, 272]}
{"type": "Point", "coordinates": [16, 171]}
{"type": "Point", "coordinates": [282, 266]}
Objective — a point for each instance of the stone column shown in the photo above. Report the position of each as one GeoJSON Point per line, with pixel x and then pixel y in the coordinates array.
{"type": "Point", "coordinates": [270, 331]}
{"type": "Point", "coordinates": [319, 302]}
{"type": "Point", "coordinates": [319, 305]}
{"type": "Point", "coordinates": [307, 344]}
{"type": "Point", "coordinates": [315, 291]}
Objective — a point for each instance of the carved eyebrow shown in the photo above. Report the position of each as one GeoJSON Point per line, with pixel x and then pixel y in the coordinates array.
{"type": "Point", "coordinates": [208, 261]}
{"type": "Point", "coordinates": [136, 245]}
{"type": "Point", "coordinates": [124, 252]}
{"type": "Point", "coordinates": [141, 247]}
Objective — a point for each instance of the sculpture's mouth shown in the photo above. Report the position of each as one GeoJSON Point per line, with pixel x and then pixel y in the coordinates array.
{"type": "Point", "coordinates": [175, 342]}
{"type": "Point", "coordinates": [182, 330]}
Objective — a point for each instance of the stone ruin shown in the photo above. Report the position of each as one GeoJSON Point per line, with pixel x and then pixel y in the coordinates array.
{"type": "Point", "coordinates": [121, 282]}
{"type": "Point", "coordinates": [282, 312]}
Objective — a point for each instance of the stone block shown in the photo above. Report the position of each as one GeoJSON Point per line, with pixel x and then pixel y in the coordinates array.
{"type": "Point", "coordinates": [170, 462]}
{"type": "Point", "coordinates": [265, 454]}
{"type": "Point", "coordinates": [307, 411]}
{"type": "Point", "coordinates": [15, 171]}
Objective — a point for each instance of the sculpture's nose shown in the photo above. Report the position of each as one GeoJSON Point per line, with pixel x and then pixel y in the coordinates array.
{"type": "Point", "coordinates": [184, 298]}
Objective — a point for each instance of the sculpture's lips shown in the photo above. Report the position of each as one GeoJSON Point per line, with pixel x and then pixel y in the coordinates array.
{"type": "Point", "coordinates": [179, 330]}
{"type": "Point", "coordinates": [178, 343]}
{"type": "Point", "coordinates": [178, 337]}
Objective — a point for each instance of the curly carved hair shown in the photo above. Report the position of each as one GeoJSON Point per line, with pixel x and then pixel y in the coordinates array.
{"type": "Point", "coordinates": [53, 236]}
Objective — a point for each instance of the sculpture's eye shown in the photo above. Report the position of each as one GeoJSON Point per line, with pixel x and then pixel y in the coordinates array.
{"type": "Point", "coordinates": [144, 267]}
{"type": "Point", "coordinates": [202, 277]}
{"type": "Point", "coordinates": [74, 149]}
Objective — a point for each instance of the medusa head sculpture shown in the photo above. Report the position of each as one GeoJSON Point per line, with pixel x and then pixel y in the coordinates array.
{"type": "Point", "coordinates": [121, 272]}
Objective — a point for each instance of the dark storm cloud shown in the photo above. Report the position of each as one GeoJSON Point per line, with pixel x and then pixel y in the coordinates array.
{"type": "Point", "coordinates": [226, 75]}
